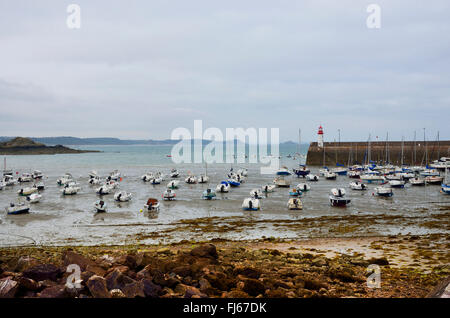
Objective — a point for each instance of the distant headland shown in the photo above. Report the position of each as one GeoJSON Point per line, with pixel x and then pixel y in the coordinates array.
{"type": "Point", "coordinates": [26, 146]}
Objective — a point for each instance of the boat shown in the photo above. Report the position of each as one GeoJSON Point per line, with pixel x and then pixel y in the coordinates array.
{"type": "Point", "coordinates": [434, 179]}
{"type": "Point", "coordinates": [233, 183]}
{"type": "Point", "coordinates": [25, 177]}
{"type": "Point", "coordinates": [147, 177]}
{"type": "Point", "coordinates": [93, 174]}
{"type": "Point", "coordinates": [312, 177]}
{"type": "Point", "coordinates": [341, 171]}
{"type": "Point", "coordinates": [373, 178]}
{"type": "Point", "coordinates": [9, 180]}
{"type": "Point", "coordinates": [256, 194]}
{"type": "Point", "coordinates": [338, 192]}
{"type": "Point", "coordinates": [251, 204]}
{"type": "Point", "coordinates": [354, 174]}
{"type": "Point", "coordinates": [268, 188]}
{"type": "Point", "coordinates": [429, 173]}
{"type": "Point", "coordinates": [65, 179]}
{"type": "Point", "coordinates": [36, 175]}
{"type": "Point", "coordinates": [115, 175]}
{"type": "Point", "coordinates": [173, 184]}
{"type": "Point", "coordinates": [397, 183]}
{"type": "Point", "coordinates": [283, 171]}
{"type": "Point", "coordinates": [294, 204]}
{"type": "Point", "coordinates": [2, 185]}
{"type": "Point", "coordinates": [169, 195]}
{"type": "Point", "coordinates": [174, 173]}
{"type": "Point", "coordinates": [295, 192]}
{"type": "Point", "coordinates": [27, 191]}
{"type": "Point", "coordinates": [394, 176]}
{"type": "Point", "coordinates": [203, 179]}
{"type": "Point", "coordinates": [339, 201]}
{"type": "Point", "coordinates": [223, 187]}
{"type": "Point", "coordinates": [208, 194]}
{"type": "Point", "coordinates": [34, 198]}
{"type": "Point", "coordinates": [104, 189]}
{"type": "Point", "coordinates": [19, 208]}
{"type": "Point", "coordinates": [95, 180]}
{"type": "Point", "coordinates": [243, 172]}
{"type": "Point", "coordinates": [40, 186]}
{"type": "Point", "coordinates": [70, 189]}
{"type": "Point", "coordinates": [384, 191]}
{"type": "Point", "coordinates": [323, 171]}
{"type": "Point", "coordinates": [302, 171]}
{"type": "Point", "coordinates": [445, 186]}
{"type": "Point", "coordinates": [407, 175]}
{"type": "Point", "coordinates": [100, 206]}
{"type": "Point", "coordinates": [155, 181]}
{"type": "Point", "coordinates": [303, 187]}
{"type": "Point", "coordinates": [417, 181]}
{"type": "Point", "coordinates": [281, 182]}
{"type": "Point", "coordinates": [358, 186]}
{"type": "Point", "coordinates": [152, 205]}
{"type": "Point", "coordinates": [191, 180]}
{"type": "Point", "coordinates": [330, 175]}
{"type": "Point", "coordinates": [122, 196]}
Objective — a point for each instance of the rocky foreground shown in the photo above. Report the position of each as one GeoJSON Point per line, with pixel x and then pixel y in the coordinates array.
{"type": "Point", "coordinates": [226, 269]}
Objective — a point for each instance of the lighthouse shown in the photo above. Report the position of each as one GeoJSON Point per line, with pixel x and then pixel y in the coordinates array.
{"type": "Point", "coordinates": [320, 137]}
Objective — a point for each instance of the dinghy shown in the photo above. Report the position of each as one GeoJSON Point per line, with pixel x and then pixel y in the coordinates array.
{"type": "Point", "coordinates": [294, 204]}
{"type": "Point", "coordinates": [417, 181]}
{"type": "Point", "coordinates": [100, 206]}
{"type": "Point", "coordinates": [34, 198]}
{"type": "Point", "coordinates": [173, 184]}
{"type": "Point", "coordinates": [152, 205]}
{"type": "Point", "coordinates": [115, 175]}
{"type": "Point", "coordinates": [223, 187]}
{"type": "Point", "coordinates": [312, 177]}
{"type": "Point", "coordinates": [203, 179]}
{"type": "Point", "coordinates": [397, 183]}
{"type": "Point", "coordinates": [295, 192]}
{"type": "Point", "coordinates": [174, 173]}
{"type": "Point", "coordinates": [303, 187]}
{"type": "Point", "coordinates": [19, 208]}
{"type": "Point", "coordinates": [169, 195]}
{"type": "Point", "coordinates": [384, 191]}
{"type": "Point", "coordinates": [434, 179]}
{"type": "Point", "coordinates": [36, 175]}
{"type": "Point", "coordinates": [251, 204]}
{"type": "Point", "coordinates": [233, 183]}
{"type": "Point", "coordinates": [268, 188]}
{"type": "Point", "coordinates": [281, 182]}
{"type": "Point", "coordinates": [191, 180]}
{"type": "Point", "coordinates": [208, 194]}
{"type": "Point", "coordinates": [70, 189]}
{"type": "Point", "coordinates": [27, 191]}
{"type": "Point", "coordinates": [256, 194]}
{"type": "Point", "coordinates": [104, 189]}
{"type": "Point", "coordinates": [358, 186]}
{"type": "Point", "coordinates": [330, 175]}
{"type": "Point", "coordinates": [122, 196]}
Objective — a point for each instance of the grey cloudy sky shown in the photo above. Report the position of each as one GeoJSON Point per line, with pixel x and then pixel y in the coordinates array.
{"type": "Point", "coordinates": [138, 69]}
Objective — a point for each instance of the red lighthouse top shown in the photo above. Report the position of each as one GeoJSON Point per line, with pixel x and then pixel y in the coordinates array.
{"type": "Point", "coordinates": [320, 131]}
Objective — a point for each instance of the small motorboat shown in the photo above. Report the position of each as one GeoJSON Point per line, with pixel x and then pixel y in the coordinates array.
{"type": "Point", "coordinates": [233, 183]}
{"type": "Point", "coordinates": [358, 186]}
{"type": "Point", "coordinates": [341, 171]}
{"type": "Point", "coordinates": [251, 204]}
{"type": "Point", "coordinates": [223, 187]}
{"type": "Point", "coordinates": [147, 177]}
{"type": "Point", "coordinates": [36, 175]}
{"type": "Point", "coordinates": [445, 188]}
{"type": "Point", "coordinates": [330, 175]}
{"type": "Point", "coordinates": [25, 177]}
{"type": "Point", "coordinates": [34, 198]}
{"type": "Point", "coordinates": [295, 192]}
{"type": "Point", "coordinates": [104, 189]}
{"type": "Point", "coordinates": [209, 194]}
{"type": "Point", "coordinates": [19, 208]}
{"type": "Point", "coordinates": [302, 171]}
{"type": "Point", "coordinates": [155, 181]}
{"type": "Point", "coordinates": [152, 205]}
{"type": "Point", "coordinates": [115, 175]}
{"type": "Point", "coordinates": [169, 195]}
{"type": "Point", "coordinates": [9, 180]}
{"type": "Point", "coordinates": [173, 184]}
{"type": "Point", "coordinates": [338, 192]}
{"type": "Point", "coordinates": [95, 180]}
{"type": "Point", "coordinates": [434, 179]}
{"type": "Point", "coordinates": [354, 174]}
{"type": "Point", "coordinates": [100, 206]}
{"type": "Point", "coordinates": [174, 173]}
{"type": "Point", "coordinates": [93, 174]}
{"type": "Point", "coordinates": [384, 191]}
{"type": "Point", "coordinates": [323, 171]}
{"type": "Point", "coordinates": [27, 191]}
{"type": "Point", "coordinates": [256, 194]}
{"type": "Point", "coordinates": [40, 186]}
{"type": "Point", "coordinates": [397, 183]}
{"type": "Point", "coordinates": [122, 196]}
{"type": "Point", "coordinates": [337, 197]}
{"type": "Point", "coordinates": [64, 180]}
{"type": "Point", "coordinates": [417, 181]}
{"type": "Point", "coordinates": [303, 187]}
{"type": "Point", "coordinates": [281, 182]}
{"type": "Point", "coordinates": [283, 171]}
{"type": "Point", "coordinates": [191, 180]}
{"type": "Point", "coordinates": [429, 173]}
{"type": "Point", "coordinates": [268, 188]}
{"type": "Point", "coordinates": [294, 204]}
{"type": "Point", "coordinates": [70, 189]}
{"type": "Point", "coordinates": [203, 179]}
{"type": "Point", "coordinates": [312, 177]}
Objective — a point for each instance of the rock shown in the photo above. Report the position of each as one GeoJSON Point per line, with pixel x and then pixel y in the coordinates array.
{"type": "Point", "coordinates": [43, 272]}
{"type": "Point", "coordinates": [219, 280]}
{"type": "Point", "coordinates": [130, 261]}
{"type": "Point", "coordinates": [164, 250]}
{"type": "Point", "coordinates": [236, 294]}
{"type": "Point", "coordinates": [25, 262]}
{"type": "Point", "coordinates": [379, 261]}
{"type": "Point", "coordinates": [275, 252]}
{"type": "Point", "coordinates": [57, 291]}
{"type": "Point", "coordinates": [28, 284]}
{"type": "Point", "coordinates": [275, 293]}
{"type": "Point", "coordinates": [193, 292]}
{"type": "Point", "coordinates": [117, 293]}
{"type": "Point", "coordinates": [8, 288]}
{"type": "Point", "coordinates": [441, 290]}
{"type": "Point", "coordinates": [183, 271]}
{"type": "Point", "coordinates": [180, 289]}
{"type": "Point", "coordinates": [204, 285]}
{"type": "Point", "coordinates": [71, 257]}
{"type": "Point", "coordinates": [314, 284]}
{"type": "Point", "coordinates": [253, 287]}
{"type": "Point", "coordinates": [150, 289]}
{"type": "Point", "coordinates": [249, 272]}
{"type": "Point", "coordinates": [117, 280]}
{"type": "Point", "coordinates": [133, 290]}
{"type": "Point", "coordinates": [206, 250]}
{"type": "Point", "coordinates": [97, 270]}
{"type": "Point", "coordinates": [97, 287]}
{"type": "Point", "coordinates": [144, 274]}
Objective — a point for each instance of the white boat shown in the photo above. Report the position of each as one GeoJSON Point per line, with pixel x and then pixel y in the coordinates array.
{"type": "Point", "coordinates": [203, 179]}
{"type": "Point", "coordinates": [283, 171]}
{"type": "Point", "coordinates": [112, 184]}
{"type": "Point", "coordinates": [338, 192]}
{"type": "Point", "coordinates": [191, 180]}
{"type": "Point", "coordinates": [19, 208]}
{"type": "Point", "coordinates": [295, 204]}
{"type": "Point", "coordinates": [169, 195]}
{"type": "Point", "coordinates": [268, 188]}
{"type": "Point", "coordinates": [9, 180]}
{"type": "Point", "coordinates": [223, 187]}
{"type": "Point", "coordinates": [355, 174]}
{"type": "Point", "coordinates": [70, 189]}
{"type": "Point", "coordinates": [395, 176]}
{"type": "Point", "coordinates": [323, 171]}
{"type": "Point", "coordinates": [95, 180]}
{"type": "Point", "coordinates": [2, 185]}
{"type": "Point", "coordinates": [281, 182]}
{"type": "Point", "coordinates": [174, 173]}
{"type": "Point", "coordinates": [25, 177]}
{"type": "Point", "coordinates": [303, 187]}
{"type": "Point", "coordinates": [40, 186]}
{"type": "Point", "coordinates": [64, 180]}
{"type": "Point", "coordinates": [93, 174]}
{"type": "Point", "coordinates": [445, 186]}
{"type": "Point", "coordinates": [312, 177]}
{"type": "Point", "coordinates": [256, 193]}
{"type": "Point", "coordinates": [251, 204]}
{"type": "Point", "coordinates": [243, 172]}
{"type": "Point", "coordinates": [155, 181]}
{"type": "Point", "coordinates": [358, 186]}
{"type": "Point", "coordinates": [100, 206]}
{"type": "Point", "coordinates": [173, 184]}
{"type": "Point", "coordinates": [397, 183]}
{"type": "Point", "coordinates": [373, 178]}
{"type": "Point", "coordinates": [152, 205]}
{"type": "Point", "coordinates": [417, 181]}
{"type": "Point", "coordinates": [384, 191]}
{"type": "Point", "coordinates": [115, 175]}
{"type": "Point", "coordinates": [27, 191]}
{"type": "Point", "coordinates": [147, 177]}
{"type": "Point", "coordinates": [434, 179]}
{"type": "Point", "coordinates": [34, 198]}
{"type": "Point", "coordinates": [104, 189]}
{"type": "Point", "coordinates": [37, 175]}
{"type": "Point", "coordinates": [330, 175]}
{"type": "Point", "coordinates": [122, 196]}
{"type": "Point", "coordinates": [407, 175]}
{"type": "Point", "coordinates": [429, 173]}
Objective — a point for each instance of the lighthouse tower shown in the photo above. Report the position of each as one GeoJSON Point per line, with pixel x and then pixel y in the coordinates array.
{"type": "Point", "coordinates": [320, 137]}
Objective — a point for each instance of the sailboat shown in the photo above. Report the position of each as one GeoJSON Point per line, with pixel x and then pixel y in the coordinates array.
{"type": "Point", "coordinates": [204, 178]}
{"type": "Point", "coordinates": [302, 171]}
{"type": "Point", "coordinates": [445, 186]}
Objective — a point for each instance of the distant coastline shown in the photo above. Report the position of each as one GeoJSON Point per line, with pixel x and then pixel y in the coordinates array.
{"type": "Point", "coordinates": [26, 146]}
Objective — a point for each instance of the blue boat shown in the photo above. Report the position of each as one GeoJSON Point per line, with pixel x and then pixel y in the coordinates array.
{"type": "Point", "coordinates": [234, 183]}
{"type": "Point", "coordinates": [295, 193]}
{"type": "Point", "coordinates": [445, 188]}
{"type": "Point", "coordinates": [283, 172]}
{"type": "Point", "coordinates": [302, 171]}
{"type": "Point", "coordinates": [20, 208]}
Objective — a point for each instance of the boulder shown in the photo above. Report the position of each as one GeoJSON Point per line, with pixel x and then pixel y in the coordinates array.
{"type": "Point", "coordinates": [43, 272]}
{"type": "Point", "coordinates": [71, 257]}
{"type": "Point", "coordinates": [28, 284]}
{"type": "Point", "coordinates": [247, 271]}
{"type": "Point", "coordinates": [253, 287]}
{"type": "Point", "coordinates": [97, 287]}
{"type": "Point", "coordinates": [117, 293]}
{"type": "Point", "coordinates": [133, 290]}
{"type": "Point", "coordinates": [8, 288]}
{"type": "Point", "coordinates": [57, 291]}
{"type": "Point", "coordinates": [206, 250]}
{"type": "Point", "coordinates": [193, 292]}
{"type": "Point", "coordinates": [25, 262]}
{"type": "Point", "coordinates": [97, 270]}
{"type": "Point", "coordinates": [117, 280]}
{"type": "Point", "coordinates": [150, 289]}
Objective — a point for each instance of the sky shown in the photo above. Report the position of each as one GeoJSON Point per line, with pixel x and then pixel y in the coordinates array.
{"type": "Point", "coordinates": [140, 69]}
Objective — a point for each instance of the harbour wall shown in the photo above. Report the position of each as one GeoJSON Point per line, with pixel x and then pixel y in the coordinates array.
{"type": "Point", "coordinates": [414, 153]}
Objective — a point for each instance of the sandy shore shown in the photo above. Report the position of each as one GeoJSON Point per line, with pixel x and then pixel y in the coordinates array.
{"type": "Point", "coordinates": [411, 266]}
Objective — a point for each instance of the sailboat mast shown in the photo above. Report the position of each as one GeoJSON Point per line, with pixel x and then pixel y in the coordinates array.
{"type": "Point", "coordinates": [415, 150]}
{"type": "Point", "coordinates": [439, 154]}
{"type": "Point", "coordinates": [299, 143]}
{"type": "Point", "coordinates": [426, 148]}
{"type": "Point", "coordinates": [402, 151]}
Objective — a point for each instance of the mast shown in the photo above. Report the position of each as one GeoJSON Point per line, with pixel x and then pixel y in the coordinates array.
{"type": "Point", "coordinates": [299, 143]}
{"type": "Point", "coordinates": [368, 151]}
{"type": "Point", "coordinates": [387, 148]}
{"type": "Point", "coordinates": [402, 150]}
{"type": "Point", "coordinates": [439, 154]}
{"type": "Point", "coordinates": [426, 148]}
{"type": "Point", "coordinates": [415, 150]}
